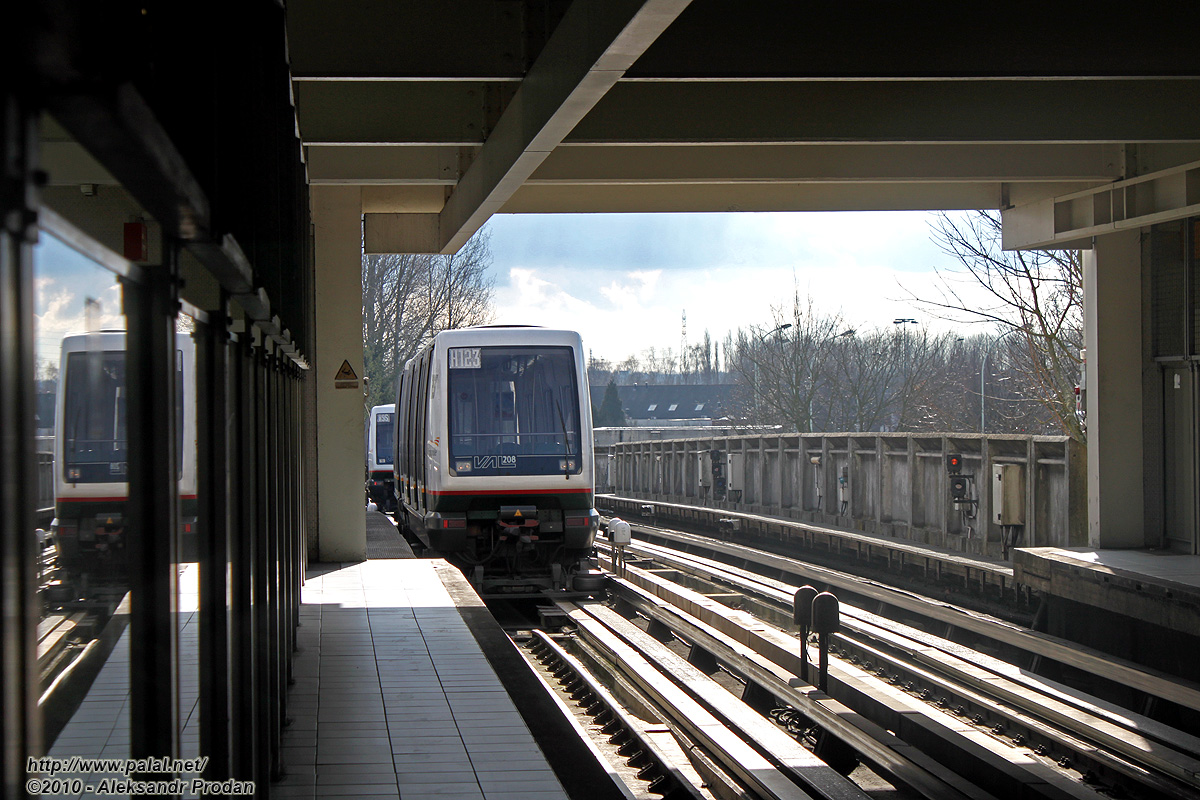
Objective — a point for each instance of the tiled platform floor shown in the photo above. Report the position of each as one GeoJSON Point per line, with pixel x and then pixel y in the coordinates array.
{"type": "Point", "coordinates": [100, 727]}
{"type": "Point", "coordinates": [394, 698]}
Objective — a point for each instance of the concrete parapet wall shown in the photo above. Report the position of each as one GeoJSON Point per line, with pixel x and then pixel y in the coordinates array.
{"type": "Point", "coordinates": [896, 484]}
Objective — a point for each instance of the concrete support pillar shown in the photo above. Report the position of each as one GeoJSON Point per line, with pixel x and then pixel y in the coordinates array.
{"type": "Point", "coordinates": [341, 457]}
{"type": "Point", "coordinates": [1112, 303]}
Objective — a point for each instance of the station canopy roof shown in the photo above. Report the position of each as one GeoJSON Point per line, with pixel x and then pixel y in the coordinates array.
{"type": "Point", "coordinates": [446, 111]}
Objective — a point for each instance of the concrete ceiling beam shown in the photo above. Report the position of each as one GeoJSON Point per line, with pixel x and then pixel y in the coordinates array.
{"type": "Point", "coordinates": [401, 233]}
{"type": "Point", "coordinates": [783, 38]}
{"type": "Point", "coordinates": [489, 40]}
{"type": "Point", "coordinates": [384, 39]}
{"type": "Point", "coordinates": [727, 197]}
{"type": "Point", "coordinates": [589, 51]}
{"type": "Point", "coordinates": [1071, 220]}
{"type": "Point", "coordinates": [386, 165]}
{"type": "Point", "coordinates": [67, 163]}
{"type": "Point", "coordinates": [976, 111]}
{"type": "Point", "coordinates": [425, 113]}
{"type": "Point", "coordinates": [708, 164]}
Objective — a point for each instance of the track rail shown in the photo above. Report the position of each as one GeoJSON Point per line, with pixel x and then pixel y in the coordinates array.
{"type": "Point", "coordinates": [993, 723]}
{"type": "Point", "coordinates": [1035, 645]}
{"type": "Point", "coordinates": [762, 759]}
{"type": "Point", "coordinates": [640, 740]}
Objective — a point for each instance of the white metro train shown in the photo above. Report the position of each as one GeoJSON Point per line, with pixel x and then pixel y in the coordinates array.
{"type": "Point", "coordinates": [381, 439]}
{"type": "Point", "coordinates": [90, 443]}
{"type": "Point", "coordinates": [494, 456]}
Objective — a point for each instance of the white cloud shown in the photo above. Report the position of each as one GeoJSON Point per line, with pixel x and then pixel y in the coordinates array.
{"type": "Point", "coordinates": [635, 292]}
{"type": "Point", "coordinates": [64, 311]}
{"type": "Point", "coordinates": [623, 281]}
{"type": "Point", "coordinates": [629, 312]}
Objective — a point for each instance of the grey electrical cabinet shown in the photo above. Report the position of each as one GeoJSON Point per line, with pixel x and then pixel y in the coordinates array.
{"type": "Point", "coordinates": [704, 468]}
{"type": "Point", "coordinates": [735, 479]}
{"type": "Point", "coordinates": [1008, 494]}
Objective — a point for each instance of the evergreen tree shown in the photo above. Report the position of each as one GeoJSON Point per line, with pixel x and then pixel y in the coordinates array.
{"type": "Point", "coordinates": [610, 413]}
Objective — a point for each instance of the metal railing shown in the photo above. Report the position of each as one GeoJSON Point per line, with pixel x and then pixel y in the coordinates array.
{"type": "Point", "coordinates": [892, 484]}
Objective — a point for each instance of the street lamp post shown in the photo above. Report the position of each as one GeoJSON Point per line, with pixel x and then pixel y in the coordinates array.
{"type": "Point", "coordinates": [812, 380]}
{"type": "Point", "coordinates": [903, 321]}
{"type": "Point", "coordinates": [843, 335]}
{"type": "Point", "coordinates": [907, 378]}
{"type": "Point", "coordinates": [757, 393]}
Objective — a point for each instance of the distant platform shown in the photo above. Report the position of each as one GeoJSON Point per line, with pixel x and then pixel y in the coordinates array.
{"type": "Point", "coordinates": [1151, 585]}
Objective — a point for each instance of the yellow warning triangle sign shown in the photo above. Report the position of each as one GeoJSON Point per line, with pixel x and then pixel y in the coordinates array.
{"type": "Point", "coordinates": [517, 513]}
{"type": "Point", "coordinates": [345, 372]}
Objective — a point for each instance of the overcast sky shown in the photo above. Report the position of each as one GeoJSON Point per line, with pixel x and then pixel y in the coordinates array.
{"type": "Point", "coordinates": [624, 280]}
{"type": "Point", "coordinates": [64, 281]}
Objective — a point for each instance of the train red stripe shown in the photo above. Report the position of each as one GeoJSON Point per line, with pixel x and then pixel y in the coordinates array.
{"type": "Point", "coordinates": [121, 499]}
{"type": "Point", "coordinates": [512, 491]}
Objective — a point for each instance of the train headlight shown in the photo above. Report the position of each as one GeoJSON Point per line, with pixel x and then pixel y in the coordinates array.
{"type": "Point", "coordinates": [566, 464]}
{"type": "Point", "coordinates": [462, 466]}
{"type": "Point", "coordinates": [73, 474]}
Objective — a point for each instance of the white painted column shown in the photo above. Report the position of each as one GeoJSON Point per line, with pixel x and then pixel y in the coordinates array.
{"type": "Point", "coordinates": [1112, 305]}
{"type": "Point", "coordinates": [341, 456]}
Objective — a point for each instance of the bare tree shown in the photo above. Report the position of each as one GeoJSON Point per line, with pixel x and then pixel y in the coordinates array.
{"type": "Point", "coordinates": [882, 379]}
{"type": "Point", "coordinates": [817, 373]}
{"type": "Point", "coordinates": [1038, 295]}
{"type": "Point", "coordinates": [409, 298]}
{"type": "Point", "coordinates": [780, 367]}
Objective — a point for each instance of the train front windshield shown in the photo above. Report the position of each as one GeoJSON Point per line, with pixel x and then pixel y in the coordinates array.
{"type": "Point", "coordinates": [384, 427]}
{"type": "Point", "coordinates": [513, 411]}
{"type": "Point", "coordinates": [94, 418]}
{"type": "Point", "coordinates": [94, 432]}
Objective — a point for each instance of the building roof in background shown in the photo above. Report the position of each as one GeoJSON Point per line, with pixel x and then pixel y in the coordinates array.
{"type": "Point", "coordinates": [665, 401]}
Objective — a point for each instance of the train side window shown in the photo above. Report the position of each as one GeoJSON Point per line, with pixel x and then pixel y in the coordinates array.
{"type": "Point", "coordinates": [399, 441]}
{"type": "Point", "coordinates": [406, 399]}
{"type": "Point", "coordinates": [401, 430]}
{"type": "Point", "coordinates": [422, 401]}
{"type": "Point", "coordinates": [411, 434]}
{"type": "Point", "coordinates": [408, 433]}
{"type": "Point", "coordinates": [179, 411]}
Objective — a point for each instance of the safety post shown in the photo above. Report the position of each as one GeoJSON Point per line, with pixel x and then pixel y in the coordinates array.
{"type": "Point", "coordinates": [825, 619]}
{"type": "Point", "coordinates": [802, 612]}
{"type": "Point", "coordinates": [619, 535]}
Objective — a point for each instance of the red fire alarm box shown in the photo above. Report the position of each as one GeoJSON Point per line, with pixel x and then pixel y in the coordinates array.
{"type": "Point", "coordinates": [137, 247]}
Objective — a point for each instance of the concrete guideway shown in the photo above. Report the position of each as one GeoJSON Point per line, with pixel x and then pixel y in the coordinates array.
{"type": "Point", "coordinates": [750, 647]}
{"type": "Point", "coordinates": [1150, 597]}
{"type": "Point", "coordinates": [711, 715]}
{"type": "Point", "coordinates": [1035, 644]}
{"type": "Point", "coordinates": [936, 563]}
